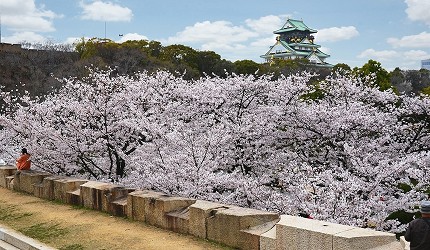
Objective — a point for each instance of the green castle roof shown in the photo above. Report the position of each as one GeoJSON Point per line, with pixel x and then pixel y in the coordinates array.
{"type": "Point", "coordinates": [292, 25]}
{"type": "Point", "coordinates": [290, 50]}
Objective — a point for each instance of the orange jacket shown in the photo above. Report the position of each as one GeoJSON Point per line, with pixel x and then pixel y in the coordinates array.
{"type": "Point", "coordinates": [23, 162]}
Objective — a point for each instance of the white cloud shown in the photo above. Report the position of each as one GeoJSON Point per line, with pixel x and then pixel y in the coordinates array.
{"type": "Point", "coordinates": [221, 32]}
{"type": "Point", "coordinates": [381, 55]}
{"type": "Point", "coordinates": [390, 58]}
{"type": "Point", "coordinates": [225, 35]}
{"type": "Point", "coordinates": [336, 34]}
{"type": "Point", "coordinates": [418, 10]}
{"type": "Point", "coordinates": [265, 25]}
{"type": "Point", "coordinates": [225, 47]}
{"type": "Point", "coordinates": [105, 11]}
{"type": "Point", "coordinates": [415, 55]}
{"type": "Point", "coordinates": [264, 42]}
{"type": "Point", "coordinates": [27, 36]}
{"type": "Point", "coordinates": [233, 52]}
{"type": "Point", "coordinates": [230, 41]}
{"type": "Point", "coordinates": [131, 37]}
{"type": "Point", "coordinates": [414, 41]}
{"type": "Point", "coordinates": [24, 15]}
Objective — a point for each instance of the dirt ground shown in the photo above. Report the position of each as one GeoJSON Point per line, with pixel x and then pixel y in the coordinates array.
{"type": "Point", "coordinates": [72, 228]}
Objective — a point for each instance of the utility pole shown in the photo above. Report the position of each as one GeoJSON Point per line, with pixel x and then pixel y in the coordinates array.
{"type": "Point", "coordinates": [0, 28]}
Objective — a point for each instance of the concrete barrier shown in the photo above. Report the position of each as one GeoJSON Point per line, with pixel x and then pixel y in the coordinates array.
{"type": "Point", "coordinates": [233, 226]}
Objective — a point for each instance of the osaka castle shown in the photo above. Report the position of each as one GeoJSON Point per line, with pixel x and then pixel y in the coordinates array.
{"type": "Point", "coordinates": [295, 41]}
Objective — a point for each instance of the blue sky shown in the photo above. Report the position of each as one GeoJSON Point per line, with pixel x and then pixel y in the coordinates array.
{"type": "Point", "coordinates": [393, 32]}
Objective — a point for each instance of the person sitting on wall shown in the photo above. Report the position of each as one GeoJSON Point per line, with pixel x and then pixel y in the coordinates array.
{"type": "Point", "coordinates": [23, 162]}
{"type": "Point", "coordinates": [418, 232]}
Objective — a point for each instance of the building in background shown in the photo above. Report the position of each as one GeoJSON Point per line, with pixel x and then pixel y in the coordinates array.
{"type": "Point", "coordinates": [295, 41]}
{"type": "Point", "coordinates": [425, 64]}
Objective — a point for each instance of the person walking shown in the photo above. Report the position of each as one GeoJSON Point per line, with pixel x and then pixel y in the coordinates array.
{"type": "Point", "coordinates": [418, 231]}
{"type": "Point", "coordinates": [23, 162]}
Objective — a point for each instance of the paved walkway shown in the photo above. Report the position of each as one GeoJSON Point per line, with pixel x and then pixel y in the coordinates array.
{"type": "Point", "coordinates": [70, 228]}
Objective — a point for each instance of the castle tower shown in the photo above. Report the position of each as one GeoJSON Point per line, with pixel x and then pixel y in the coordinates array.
{"type": "Point", "coordinates": [295, 41]}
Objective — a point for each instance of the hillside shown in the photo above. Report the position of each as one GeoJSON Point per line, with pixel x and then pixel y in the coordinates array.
{"type": "Point", "coordinates": [35, 70]}
{"type": "Point", "coordinates": [32, 70]}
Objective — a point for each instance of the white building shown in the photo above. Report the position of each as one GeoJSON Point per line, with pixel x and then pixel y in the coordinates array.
{"type": "Point", "coordinates": [425, 64]}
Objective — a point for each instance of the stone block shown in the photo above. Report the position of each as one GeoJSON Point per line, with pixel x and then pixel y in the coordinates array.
{"type": "Point", "coordinates": [6, 171]}
{"type": "Point", "coordinates": [65, 184]}
{"type": "Point", "coordinates": [178, 221]}
{"type": "Point", "coordinates": [136, 203]}
{"type": "Point", "coordinates": [157, 208]}
{"type": "Point", "coordinates": [296, 233]}
{"type": "Point", "coordinates": [405, 245]}
{"type": "Point", "coordinates": [16, 179]}
{"type": "Point", "coordinates": [119, 207]}
{"type": "Point", "coordinates": [117, 203]}
{"type": "Point", "coordinates": [38, 190]}
{"type": "Point", "coordinates": [362, 238]}
{"type": "Point", "coordinates": [99, 195]}
{"type": "Point", "coordinates": [226, 225]}
{"type": "Point", "coordinates": [160, 210]}
{"type": "Point", "coordinates": [9, 182]}
{"type": "Point", "coordinates": [251, 238]}
{"type": "Point", "coordinates": [74, 197]}
{"type": "Point", "coordinates": [300, 233]}
{"type": "Point", "coordinates": [45, 189]}
{"type": "Point", "coordinates": [395, 245]}
{"type": "Point", "coordinates": [199, 212]}
{"type": "Point", "coordinates": [268, 240]}
{"type": "Point", "coordinates": [25, 180]}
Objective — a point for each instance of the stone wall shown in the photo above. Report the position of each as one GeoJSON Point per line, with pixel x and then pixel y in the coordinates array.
{"type": "Point", "coordinates": [237, 227]}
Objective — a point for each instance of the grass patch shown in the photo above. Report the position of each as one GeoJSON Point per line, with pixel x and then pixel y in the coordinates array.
{"type": "Point", "coordinates": [72, 247]}
{"type": "Point", "coordinates": [44, 231]}
{"type": "Point", "coordinates": [9, 213]}
{"type": "Point", "coordinates": [34, 202]}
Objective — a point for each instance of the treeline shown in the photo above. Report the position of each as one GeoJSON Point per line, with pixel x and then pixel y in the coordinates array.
{"type": "Point", "coordinates": [406, 82]}
{"type": "Point", "coordinates": [133, 56]}
{"type": "Point", "coordinates": [36, 68]}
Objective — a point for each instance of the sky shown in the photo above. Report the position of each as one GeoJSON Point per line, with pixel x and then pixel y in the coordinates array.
{"type": "Point", "coordinates": [395, 33]}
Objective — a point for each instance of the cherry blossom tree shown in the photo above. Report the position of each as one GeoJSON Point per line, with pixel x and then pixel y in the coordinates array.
{"type": "Point", "coordinates": [351, 154]}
